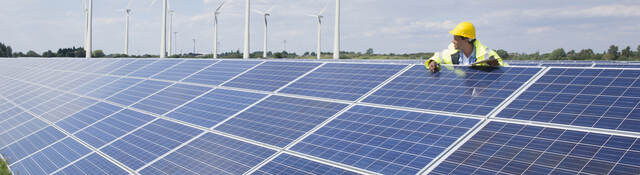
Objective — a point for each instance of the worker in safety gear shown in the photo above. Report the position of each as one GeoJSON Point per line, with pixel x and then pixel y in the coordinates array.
{"type": "Point", "coordinates": [465, 49]}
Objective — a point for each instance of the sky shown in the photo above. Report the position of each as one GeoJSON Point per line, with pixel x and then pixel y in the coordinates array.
{"type": "Point", "coordinates": [386, 26]}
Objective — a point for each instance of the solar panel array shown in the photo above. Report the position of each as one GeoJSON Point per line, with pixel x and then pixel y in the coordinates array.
{"type": "Point", "coordinates": [190, 116]}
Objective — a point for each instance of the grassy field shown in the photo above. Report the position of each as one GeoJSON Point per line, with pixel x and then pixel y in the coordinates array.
{"type": "Point", "coordinates": [4, 170]}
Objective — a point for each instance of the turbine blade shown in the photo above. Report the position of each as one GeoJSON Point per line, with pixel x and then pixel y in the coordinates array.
{"type": "Point", "coordinates": [257, 11]}
{"type": "Point", "coordinates": [220, 6]}
{"type": "Point", "coordinates": [269, 10]}
{"type": "Point", "coordinates": [323, 9]}
{"type": "Point", "coordinates": [152, 3]}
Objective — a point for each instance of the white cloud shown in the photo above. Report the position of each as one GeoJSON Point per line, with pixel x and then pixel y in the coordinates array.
{"type": "Point", "coordinates": [537, 30]}
{"type": "Point", "coordinates": [616, 10]}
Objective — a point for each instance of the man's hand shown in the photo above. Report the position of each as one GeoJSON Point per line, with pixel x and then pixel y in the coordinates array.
{"type": "Point", "coordinates": [433, 66]}
{"type": "Point", "coordinates": [493, 63]}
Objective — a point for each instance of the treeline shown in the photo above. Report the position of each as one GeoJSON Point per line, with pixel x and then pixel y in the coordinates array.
{"type": "Point", "coordinates": [613, 53]}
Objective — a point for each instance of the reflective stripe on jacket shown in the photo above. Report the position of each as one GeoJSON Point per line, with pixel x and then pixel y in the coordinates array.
{"type": "Point", "coordinates": [452, 55]}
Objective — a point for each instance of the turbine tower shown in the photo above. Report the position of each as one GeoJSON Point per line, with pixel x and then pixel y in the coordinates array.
{"type": "Point", "coordinates": [85, 11]}
{"type": "Point", "coordinates": [171, 12]}
{"type": "Point", "coordinates": [89, 28]}
{"type": "Point", "coordinates": [127, 12]}
{"type": "Point", "coordinates": [266, 14]}
{"type": "Point", "coordinates": [245, 54]}
{"type": "Point", "coordinates": [163, 38]}
{"type": "Point", "coordinates": [336, 34]}
{"type": "Point", "coordinates": [215, 29]}
{"type": "Point", "coordinates": [319, 16]}
{"type": "Point", "coordinates": [126, 35]}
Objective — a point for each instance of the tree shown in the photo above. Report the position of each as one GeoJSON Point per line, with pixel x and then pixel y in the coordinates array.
{"type": "Point", "coordinates": [612, 53]}
{"type": "Point", "coordinates": [638, 51]}
{"type": "Point", "coordinates": [98, 53]}
{"type": "Point", "coordinates": [5, 50]}
{"type": "Point", "coordinates": [31, 53]}
{"type": "Point", "coordinates": [502, 53]}
{"type": "Point", "coordinates": [369, 51]}
{"type": "Point", "coordinates": [48, 54]}
{"type": "Point", "coordinates": [558, 54]}
{"type": "Point", "coordinates": [585, 54]}
{"type": "Point", "coordinates": [626, 52]}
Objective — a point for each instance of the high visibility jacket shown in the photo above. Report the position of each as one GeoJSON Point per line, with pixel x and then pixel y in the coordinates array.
{"type": "Point", "coordinates": [452, 55]}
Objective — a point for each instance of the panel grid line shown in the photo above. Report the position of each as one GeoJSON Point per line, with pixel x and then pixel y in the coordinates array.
{"type": "Point", "coordinates": [300, 77]}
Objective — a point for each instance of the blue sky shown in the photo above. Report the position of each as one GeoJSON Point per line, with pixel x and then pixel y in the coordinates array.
{"type": "Point", "coordinates": [401, 26]}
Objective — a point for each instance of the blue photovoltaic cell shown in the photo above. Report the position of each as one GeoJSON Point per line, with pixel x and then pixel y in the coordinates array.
{"type": "Point", "coordinates": [113, 127]}
{"type": "Point", "coordinates": [270, 76]}
{"type": "Point", "coordinates": [67, 109]}
{"type": "Point", "coordinates": [93, 164]}
{"type": "Point", "coordinates": [288, 164]}
{"type": "Point", "coordinates": [53, 103]}
{"type": "Point", "coordinates": [211, 154]}
{"type": "Point", "coordinates": [138, 92]}
{"type": "Point", "coordinates": [172, 97]}
{"type": "Point", "coordinates": [87, 117]}
{"type": "Point", "coordinates": [77, 82]}
{"type": "Point", "coordinates": [150, 142]}
{"type": "Point", "coordinates": [342, 81]}
{"type": "Point", "coordinates": [386, 141]}
{"type": "Point", "coordinates": [114, 66]}
{"type": "Point", "coordinates": [184, 69]}
{"type": "Point", "coordinates": [214, 107]}
{"type": "Point", "coordinates": [20, 129]}
{"type": "Point", "coordinates": [32, 143]}
{"type": "Point", "coordinates": [521, 149]}
{"type": "Point", "coordinates": [567, 64]}
{"type": "Point", "coordinates": [462, 90]}
{"type": "Point", "coordinates": [51, 158]}
{"type": "Point", "coordinates": [618, 65]}
{"type": "Point", "coordinates": [221, 72]}
{"type": "Point", "coordinates": [131, 67]}
{"type": "Point", "coordinates": [113, 87]}
{"type": "Point", "coordinates": [93, 85]}
{"type": "Point", "coordinates": [154, 68]}
{"type": "Point", "coordinates": [600, 98]}
{"type": "Point", "coordinates": [280, 120]}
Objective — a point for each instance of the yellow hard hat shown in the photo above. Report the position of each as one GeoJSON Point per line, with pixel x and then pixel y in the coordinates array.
{"type": "Point", "coordinates": [465, 29]}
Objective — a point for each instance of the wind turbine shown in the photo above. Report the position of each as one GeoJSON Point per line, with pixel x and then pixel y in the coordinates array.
{"type": "Point", "coordinates": [215, 29]}
{"type": "Point", "coordinates": [245, 54]}
{"type": "Point", "coordinates": [336, 33]}
{"type": "Point", "coordinates": [171, 12]}
{"type": "Point", "coordinates": [85, 12]}
{"type": "Point", "coordinates": [163, 38]}
{"type": "Point", "coordinates": [127, 12]}
{"type": "Point", "coordinates": [319, 16]}
{"type": "Point", "coordinates": [266, 14]}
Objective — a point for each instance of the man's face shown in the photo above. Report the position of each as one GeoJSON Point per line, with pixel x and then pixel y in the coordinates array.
{"type": "Point", "coordinates": [457, 40]}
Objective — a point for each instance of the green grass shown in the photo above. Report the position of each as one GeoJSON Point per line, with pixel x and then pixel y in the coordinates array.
{"type": "Point", "coordinates": [4, 169]}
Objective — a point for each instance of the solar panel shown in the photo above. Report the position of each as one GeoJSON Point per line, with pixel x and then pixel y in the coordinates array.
{"type": "Point", "coordinates": [132, 67]}
{"type": "Point", "coordinates": [622, 65]}
{"type": "Point", "coordinates": [138, 92]}
{"type": "Point", "coordinates": [567, 64]}
{"type": "Point", "coordinates": [184, 69]}
{"type": "Point", "coordinates": [270, 76]}
{"type": "Point", "coordinates": [501, 148]}
{"type": "Point", "coordinates": [342, 81]}
{"type": "Point", "coordinates": [51, 158]}
{"type": "Point", "coordinates": [289, 164]}
{"type": "Point", "coordinates": [214, 107]}
{"type": "Point", "coordinates": [280, 120]}
{"type": "Point", "coordinates": [172, 97]}
{"type": "Point", "coordinates": [92, 164]}
{"type": "Point", "coordinates": [149, 142]}
{"type": "Point", "coordinates": [385, 141]}
{"type": "Point", "coordinates": [112, 127]}
{"type": "Point", "coordinates": [461, 90]}
{"type": "Point", "coordinates": [221, 72]}
{"type": "Point", "coordinates": [600, 98]}
{"type": "Point", "coordinates": [201, 116]}
{"type": "Point", "coordinates": [154, 68]}
{"type": "Point", "coordinates": [212, 154]}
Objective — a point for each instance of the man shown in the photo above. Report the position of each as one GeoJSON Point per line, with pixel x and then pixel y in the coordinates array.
{"type": "Point", "coordinates": [465, 49]}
